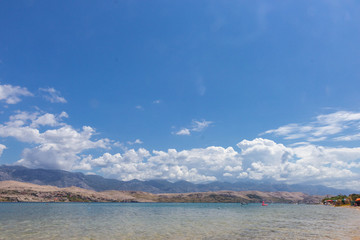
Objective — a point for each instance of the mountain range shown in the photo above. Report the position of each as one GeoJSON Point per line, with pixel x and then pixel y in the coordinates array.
{"type": "Point", "coordinates": [61, 178]}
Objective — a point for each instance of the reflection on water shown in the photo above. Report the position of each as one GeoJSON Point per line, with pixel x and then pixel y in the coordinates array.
{"type": "Point", "coordinates": [175, 221]}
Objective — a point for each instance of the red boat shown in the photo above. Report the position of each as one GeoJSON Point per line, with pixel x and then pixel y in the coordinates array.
{"type": "Point", "coordinates": [264, 204]}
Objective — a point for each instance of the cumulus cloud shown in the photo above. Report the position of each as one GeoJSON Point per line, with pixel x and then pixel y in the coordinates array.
{"type": "Point", "coordinates": [59, 148]}
{"type": "Point", "coordinates": [196, 126]}
{"type": "Point", "coordinates": [337, 126]}
{"type": "Point", "coordinates": [263, 158]}
{"type": "Point", "coordinates": [52, 95]}
{"type": "Point", "coordinates": [12, 94]}
{"type": "Point", "coordinates": [196, 165]}
{"type": "Point", "coordinates": [56, 147]}
{"type": "Point", "coordinates": [256, 159]}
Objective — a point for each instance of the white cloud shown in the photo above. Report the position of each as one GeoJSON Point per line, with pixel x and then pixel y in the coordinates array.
{"type": "Point", "coordinates": [334, 126]}
{"type": "Point", "coordinates": [139, 107]}
{"type": "Point", "coordinates": [263, 158]}
{"type": "Point", "coordinates": [338, 117]}
{"type": "Point", "coordinates": [158, 101]}
{"type": "Point", "coordinates": [11, 94]}
{"type": "Point", "coordinates": [57, 146]}
{"type": "Point", "coordinates": [184, 131]}
{"type": "Point", "coordinates": [353, 137]}
{"type": "Point", "coordinates": [2, 148]}
{"type": "Point", "coordinates": [53, 95]}
{"type": "Point", "coordinates": [196, 126]}
{"type": "Point", "coordinates": [196, 165]}
{"type": "Point", "coordinates": [199, 126]}
{"type": "Point", "coordinates": [36, 119]}
{"type": "Point", "coordinates": [265, 151]}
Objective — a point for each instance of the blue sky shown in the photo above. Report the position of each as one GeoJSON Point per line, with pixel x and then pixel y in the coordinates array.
{"type": "Point", "coordinates": [183, 90]}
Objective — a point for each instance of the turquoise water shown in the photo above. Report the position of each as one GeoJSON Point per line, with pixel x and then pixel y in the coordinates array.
{"type": "Point", "coordinates": [176, 221]}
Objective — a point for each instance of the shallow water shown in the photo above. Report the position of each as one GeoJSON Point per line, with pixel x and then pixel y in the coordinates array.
{"type": "Point", "coordinates": [176, 221]}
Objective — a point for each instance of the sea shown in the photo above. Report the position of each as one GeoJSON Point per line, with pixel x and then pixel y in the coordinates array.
{"type": "Point", "coordinates": [176, 221]}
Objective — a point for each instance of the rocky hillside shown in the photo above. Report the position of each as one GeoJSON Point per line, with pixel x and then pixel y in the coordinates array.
{"type": "Point", "coordinates": [12, 191]}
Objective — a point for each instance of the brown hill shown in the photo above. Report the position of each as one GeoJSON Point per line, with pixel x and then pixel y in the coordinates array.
{"type": "Point", "coordinates": [12, 191]}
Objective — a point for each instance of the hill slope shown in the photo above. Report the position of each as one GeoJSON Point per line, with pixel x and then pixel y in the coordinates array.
{"type": "Point", "coordinates": [12, 191]}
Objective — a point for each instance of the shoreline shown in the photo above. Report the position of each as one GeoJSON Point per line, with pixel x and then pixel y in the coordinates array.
{"type": "Point", "coordinates": [348, 206]}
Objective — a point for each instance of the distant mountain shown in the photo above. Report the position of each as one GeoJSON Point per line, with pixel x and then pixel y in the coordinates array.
{"type": "Point", "coordinates": [63, 179]}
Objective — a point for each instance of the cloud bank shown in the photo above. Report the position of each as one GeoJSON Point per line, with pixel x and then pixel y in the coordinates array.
{"type": "Point", "coordinates": [257, 159]}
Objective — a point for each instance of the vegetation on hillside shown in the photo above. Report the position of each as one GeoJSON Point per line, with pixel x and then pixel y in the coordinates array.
{"type": "Point", "coordinates": [341, 200]}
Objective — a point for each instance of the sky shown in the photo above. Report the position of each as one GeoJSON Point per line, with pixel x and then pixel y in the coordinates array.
{"type": "Point", "coordinates": [183, 90]}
